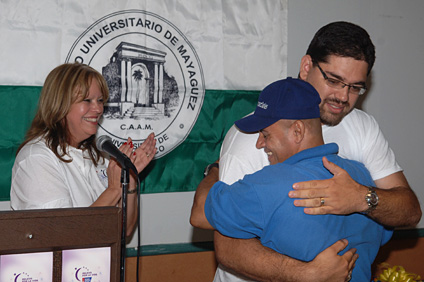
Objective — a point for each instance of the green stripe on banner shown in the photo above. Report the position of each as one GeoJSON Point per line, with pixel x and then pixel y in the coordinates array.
{"type": "Point", "coordinates": [16, 112]}
{"type": "Point", "coordinates": [180, 170]}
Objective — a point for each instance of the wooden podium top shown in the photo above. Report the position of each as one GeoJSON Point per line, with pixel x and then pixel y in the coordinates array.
{"type": "Point", "coordinates": [55, 230]}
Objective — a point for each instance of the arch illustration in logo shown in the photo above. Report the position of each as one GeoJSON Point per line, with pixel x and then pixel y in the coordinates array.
{"type": "Point", "coordinates": [154, 75]}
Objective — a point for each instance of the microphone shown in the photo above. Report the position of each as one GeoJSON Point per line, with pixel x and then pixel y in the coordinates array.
{"type": "Point", "coordinates": [104, 144]}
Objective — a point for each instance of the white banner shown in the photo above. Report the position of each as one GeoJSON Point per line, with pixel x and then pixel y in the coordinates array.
{"type": "Point", "coordinates": [238, 44]}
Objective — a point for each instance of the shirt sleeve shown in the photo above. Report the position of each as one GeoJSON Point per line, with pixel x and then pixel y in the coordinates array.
{"type": "Point", "coordinates": [359, 138]}
{"type": "Point", "coordinates": [378, 156]}
{"type": "Point", "coordinates": [235, 210]}
{"type": "Point", "coordinates": [38, 183]}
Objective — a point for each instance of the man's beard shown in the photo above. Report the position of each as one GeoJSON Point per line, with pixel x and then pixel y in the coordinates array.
{"type": "Point", "coordinates": [332, 119]}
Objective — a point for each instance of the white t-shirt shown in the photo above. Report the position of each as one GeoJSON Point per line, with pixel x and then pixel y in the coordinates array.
{"type": "Point", "coordinates": [41, 181]}
{"type": "Point", "coordinates": [358, 136]}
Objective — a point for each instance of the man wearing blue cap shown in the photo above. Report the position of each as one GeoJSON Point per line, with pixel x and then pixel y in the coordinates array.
{"type": "Point", "coordinates": [288, 119]}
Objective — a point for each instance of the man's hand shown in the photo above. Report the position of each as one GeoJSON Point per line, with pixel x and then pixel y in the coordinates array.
{"type": "Point", "coordinates": [328, 262]}
{"type": "Point", "coordinates": [337, 195]}
{"type": "Point", "coordinates": [398, 205]}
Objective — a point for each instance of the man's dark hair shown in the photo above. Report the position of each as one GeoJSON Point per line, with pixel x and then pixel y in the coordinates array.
{"type": "Point", "coordinates": [342, 39]}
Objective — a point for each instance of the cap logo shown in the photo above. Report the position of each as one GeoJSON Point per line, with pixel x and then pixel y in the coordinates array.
{"type": "Point", "coordinates": [262, 105]}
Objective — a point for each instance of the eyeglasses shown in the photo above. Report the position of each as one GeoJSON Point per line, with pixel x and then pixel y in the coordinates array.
{"type": "Point", "coordinates": [338, 84]}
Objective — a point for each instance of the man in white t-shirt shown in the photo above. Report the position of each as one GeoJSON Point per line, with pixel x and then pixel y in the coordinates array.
{"type": "Point", "coordinates": [337, 63]}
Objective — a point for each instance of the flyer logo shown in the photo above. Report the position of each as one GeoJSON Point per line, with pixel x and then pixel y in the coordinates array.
{"type": "Point", "coordinates": [83, 274]}
{"type": "Point", "coordinates": [154, 75]}
{"type": "Point", "coordinates": [24, 277]}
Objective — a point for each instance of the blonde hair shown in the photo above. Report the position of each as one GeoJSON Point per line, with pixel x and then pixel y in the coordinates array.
{"type": "Point", "coordinates": [65, 85]}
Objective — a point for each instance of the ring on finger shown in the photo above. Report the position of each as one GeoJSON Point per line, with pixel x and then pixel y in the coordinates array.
{"type": "Point", "coordinates": [349, 276]}
{"type": "Point", "coordinates": [322, 201]}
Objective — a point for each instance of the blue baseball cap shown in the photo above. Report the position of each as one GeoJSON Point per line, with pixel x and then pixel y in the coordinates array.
{"type": "Point", "coordinates": [289, 98]}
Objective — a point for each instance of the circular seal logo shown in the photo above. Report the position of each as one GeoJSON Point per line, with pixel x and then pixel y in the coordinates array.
{"type": "Point", "coordinates": [154, 75]}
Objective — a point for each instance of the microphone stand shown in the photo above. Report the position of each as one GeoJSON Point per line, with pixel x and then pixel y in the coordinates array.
{"type": "Point", "coordinates": [125, 180]}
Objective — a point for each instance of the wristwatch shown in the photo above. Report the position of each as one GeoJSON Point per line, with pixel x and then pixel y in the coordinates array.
{"type": "Point", "coordinates": [208, 168]}
{"type": "Point", "coordinates": [372, 199]}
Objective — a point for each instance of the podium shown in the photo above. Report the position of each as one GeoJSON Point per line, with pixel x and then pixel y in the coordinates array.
{"type": "Point", "coordinates": [60, 230]}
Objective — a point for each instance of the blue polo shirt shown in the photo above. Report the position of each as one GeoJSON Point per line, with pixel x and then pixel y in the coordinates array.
{"type": "Point", "coordinates": [258, 206]}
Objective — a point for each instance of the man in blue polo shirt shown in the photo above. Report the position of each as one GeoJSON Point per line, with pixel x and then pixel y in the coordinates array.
{"type": "Point", "coordinates": [288, 119]}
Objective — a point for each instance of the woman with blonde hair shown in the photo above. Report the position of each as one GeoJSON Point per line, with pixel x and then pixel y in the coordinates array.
{"type": "Point", "coordinates": [58, 165]}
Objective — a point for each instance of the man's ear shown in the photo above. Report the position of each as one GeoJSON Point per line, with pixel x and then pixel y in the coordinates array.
{"type": "Point", "coordinates": [305, 67]}
{"type": "Point", "coordinates": [298, 130]}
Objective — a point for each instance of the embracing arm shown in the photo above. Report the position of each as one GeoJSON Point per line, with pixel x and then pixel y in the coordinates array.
{"type": "Point", "coordinates": [198, 217]}
{"type": "Point", "coordinates": [397, 206]}
{"type": "Point", "coordinates": [251, 259]}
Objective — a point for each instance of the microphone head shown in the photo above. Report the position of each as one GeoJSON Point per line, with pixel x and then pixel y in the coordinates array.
{"type": "Point", "coordinates": [101, 140]}
{"type": "Point", "coordinates": [104, 144]}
